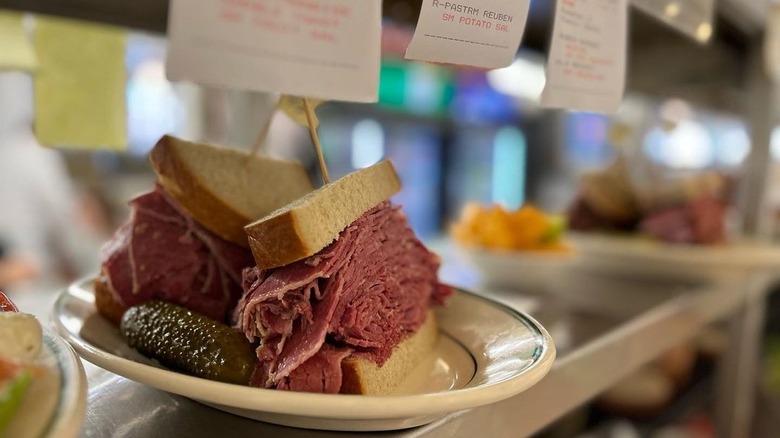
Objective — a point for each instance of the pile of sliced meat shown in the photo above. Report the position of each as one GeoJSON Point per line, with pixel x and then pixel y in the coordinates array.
{"type": "Point", "coordinates": [360, 296]}
{"type": "Point", "coordinates": [698, 221]}
{"type": "Point", "coordinates": [162, 253]}
{"type": "Point", "coordinates": [701, 221]}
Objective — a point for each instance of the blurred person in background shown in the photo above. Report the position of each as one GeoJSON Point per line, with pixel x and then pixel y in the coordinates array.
{"type": "Point", "coordinates": [14, 269]}
{"type": "Point", "coordinates": [41, 234]}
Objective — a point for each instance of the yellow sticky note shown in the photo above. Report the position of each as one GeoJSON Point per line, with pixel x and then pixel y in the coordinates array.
{"type": "Point", "coordinates": [16, 50]}
{"type": "Point", "coordinates": [80, 85]}
{"type": "Point", "coordinates": [293, 107]}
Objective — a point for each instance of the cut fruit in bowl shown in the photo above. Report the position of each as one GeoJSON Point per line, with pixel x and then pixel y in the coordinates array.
{"type": "Point", "coordinates": [524, 248]}
{"type": "Point", "coordinates": [525, 229]}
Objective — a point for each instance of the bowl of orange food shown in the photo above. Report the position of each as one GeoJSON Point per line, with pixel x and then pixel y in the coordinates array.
{"type": "Point", "coordinates": [520, 249]}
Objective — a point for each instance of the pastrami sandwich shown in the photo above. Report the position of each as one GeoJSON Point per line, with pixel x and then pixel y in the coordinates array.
{"type": "Point", "coordinates": [184, 241]}
{"type": "Point", "coordinates": [687, 210]}
{"type": "Point", "coordinates": [340, 300]}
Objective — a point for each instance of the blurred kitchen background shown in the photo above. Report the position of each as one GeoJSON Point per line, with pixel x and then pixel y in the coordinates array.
{"type": "Point", "coordinates": [456, 135]}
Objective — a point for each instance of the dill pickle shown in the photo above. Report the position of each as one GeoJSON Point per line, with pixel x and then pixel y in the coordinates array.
{"type": "Point", "coordinates": [189, 342]}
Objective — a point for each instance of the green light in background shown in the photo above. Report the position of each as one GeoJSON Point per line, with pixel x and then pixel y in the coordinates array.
{"type": "Point", "coordinates": [415, 87]}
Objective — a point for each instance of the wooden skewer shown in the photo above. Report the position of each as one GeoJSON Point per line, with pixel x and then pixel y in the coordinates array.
{"type": "Point", "coordinates": [263, 134]}
{"type": "Point", "coordinates": [316, 140]}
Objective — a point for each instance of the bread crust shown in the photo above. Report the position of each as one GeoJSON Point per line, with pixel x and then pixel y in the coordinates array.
{"type": "Point", "coordinates": [285, 235]}
{"type": "Point", "coordinates": [192, 193]}
{"type": "Point", "coordinates": [361, 376]}
{"type": "Point", "coordinates": [193, 196]}
{"type": "Point", "coordinates": [278, 242]}
{"type": "Point", "coordinates": [105, 302]}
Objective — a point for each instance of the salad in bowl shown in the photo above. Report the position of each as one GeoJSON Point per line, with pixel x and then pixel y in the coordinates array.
{"type": "Point", "coordinates": [523, 249]}
{"type": "Point", "coordinates": [42, 386]}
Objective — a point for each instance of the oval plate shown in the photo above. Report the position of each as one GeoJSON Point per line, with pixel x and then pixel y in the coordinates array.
{"type": "Point", "coordinates": [487, 352]}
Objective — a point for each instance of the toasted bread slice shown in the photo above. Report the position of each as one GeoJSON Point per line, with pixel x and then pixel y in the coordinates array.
{"type": "Point", "coordinates": [307, 225]}
{"type": "Point", "coordinates": [362, 376]}
{"type": "Point", "coordinates": [105, 303]}
{"type": "Point", "coordinates": [225, 189]}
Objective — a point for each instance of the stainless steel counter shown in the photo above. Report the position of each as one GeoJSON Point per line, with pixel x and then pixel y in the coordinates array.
{"type": "Point", "coordinates": [604, 328]}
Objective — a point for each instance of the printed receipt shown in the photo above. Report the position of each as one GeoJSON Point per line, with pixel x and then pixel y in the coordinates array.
{"type": "Point", "coordinates": [327, 49]}
{"type": "Point", "coordinates": [480, 33]}
{"type": "Point", "coordinates": [586, 67]}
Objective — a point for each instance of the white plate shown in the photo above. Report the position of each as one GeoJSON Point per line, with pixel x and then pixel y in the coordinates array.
{"type": "Point", "coordinates": [487, 353]}
{"type": "Point", "coordinates": [654, 260]}
{"type": "Point", "coordinates": [55, 404]}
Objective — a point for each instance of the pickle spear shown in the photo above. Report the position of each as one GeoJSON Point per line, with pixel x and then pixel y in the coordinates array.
{"type": "Point", "coordinates": [189, 342]}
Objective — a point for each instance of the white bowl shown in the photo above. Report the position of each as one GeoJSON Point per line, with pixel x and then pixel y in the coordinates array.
{"type": "Point", "coordinates": [529, 271]}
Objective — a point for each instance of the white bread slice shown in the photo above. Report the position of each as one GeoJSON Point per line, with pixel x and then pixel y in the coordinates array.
{"type": "Point", "coordinates": [105, 303]}
{"type": "Point", "coordinates": [225, 189]}
{"type": "Point", "coordinates": [362, 376]}
{"type": "Point", "coordinates": [307, 225]}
